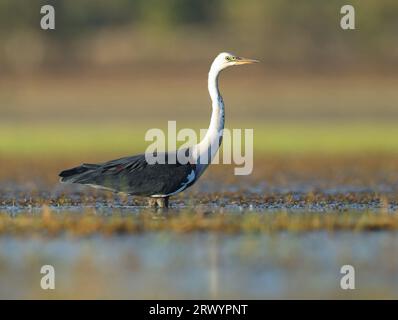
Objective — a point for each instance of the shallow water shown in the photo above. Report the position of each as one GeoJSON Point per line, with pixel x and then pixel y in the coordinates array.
{"type": "Point", "coordinates": [202, 265]}
{"type": "Point", "coordinates": [300, 197]}
{"type": "Point", "coordinates": [207, 264]}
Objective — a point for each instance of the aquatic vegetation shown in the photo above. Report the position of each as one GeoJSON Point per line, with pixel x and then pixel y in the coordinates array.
{"type": "Point", "coordinates": [298, 194]}
{"type": "Point", "coordinates": [53, 223]}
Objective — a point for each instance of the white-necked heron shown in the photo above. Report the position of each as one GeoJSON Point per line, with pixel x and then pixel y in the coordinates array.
{"type": "Point", "coordinates": [136, 176]}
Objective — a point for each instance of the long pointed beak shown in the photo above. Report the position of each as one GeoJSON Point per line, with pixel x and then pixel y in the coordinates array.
{"type": "Point", "coordinates": [242, 60]}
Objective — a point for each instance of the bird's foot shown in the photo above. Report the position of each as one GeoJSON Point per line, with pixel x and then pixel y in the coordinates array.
{"type": "Point", "coordinates": [152, 203]}
{"type": "Point", "coordinates": [159, 202]}
{"type": "Point", "coordinates": [163, 202]}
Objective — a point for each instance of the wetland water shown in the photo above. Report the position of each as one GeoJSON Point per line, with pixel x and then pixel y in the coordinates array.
{"type": "Point", "coordinates": [202, 265]}
{"type": "Point", "coordinates": [200, 262]}
{"type": "Point", "coordinates": [214, 256]}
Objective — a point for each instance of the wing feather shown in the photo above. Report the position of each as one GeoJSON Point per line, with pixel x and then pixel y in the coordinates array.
{"type": "Point", "coordinates": [133, 175]}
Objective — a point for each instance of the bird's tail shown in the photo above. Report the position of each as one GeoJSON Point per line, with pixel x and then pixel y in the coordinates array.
{"type": "Point", "coordinates": [78, 174]}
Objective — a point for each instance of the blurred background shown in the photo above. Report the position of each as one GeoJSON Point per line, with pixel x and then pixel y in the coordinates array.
{"type": "Point", "coordinates": [119, 35]}
{"type": "Point", "coordinates": [112, 70]}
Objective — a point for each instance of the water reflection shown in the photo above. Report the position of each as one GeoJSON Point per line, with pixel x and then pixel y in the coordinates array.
{"type": "Point", "coordinates": [202, 265]}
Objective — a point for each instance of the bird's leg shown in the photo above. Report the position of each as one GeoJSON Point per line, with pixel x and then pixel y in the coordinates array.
{"type": "Point", "coordinates": [152, 202]}
{"type": "Point", "coordinates": [163, 202]}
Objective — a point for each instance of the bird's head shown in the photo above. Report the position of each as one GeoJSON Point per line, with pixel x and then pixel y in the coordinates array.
{"type": "Point", "coordinates": [225, 60]}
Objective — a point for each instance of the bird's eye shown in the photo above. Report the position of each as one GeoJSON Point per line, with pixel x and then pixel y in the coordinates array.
{"type": "Point", "coordinates": [230, 58]}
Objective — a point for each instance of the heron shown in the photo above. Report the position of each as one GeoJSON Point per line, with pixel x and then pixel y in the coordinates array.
{"type": "Point", "coordinates": [135, 176]}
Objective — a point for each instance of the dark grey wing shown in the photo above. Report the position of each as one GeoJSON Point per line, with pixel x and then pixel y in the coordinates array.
{"type": "Point", "coordinates": [134, 175]}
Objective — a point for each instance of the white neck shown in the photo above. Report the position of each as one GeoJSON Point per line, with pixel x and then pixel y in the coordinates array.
{"type": "Point", "coordinates": [204, 152]}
